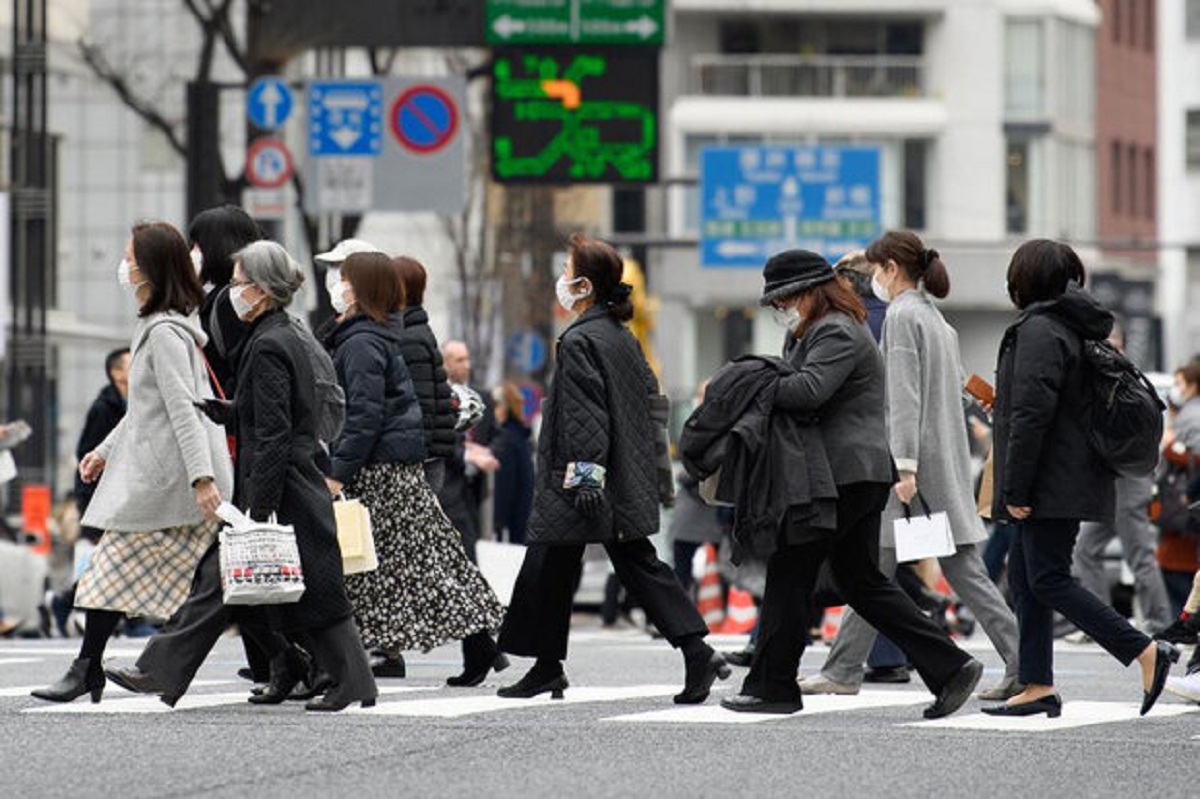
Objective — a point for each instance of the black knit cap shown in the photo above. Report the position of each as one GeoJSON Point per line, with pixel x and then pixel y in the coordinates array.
{"type": "Point", "coordinates": [790, 272]}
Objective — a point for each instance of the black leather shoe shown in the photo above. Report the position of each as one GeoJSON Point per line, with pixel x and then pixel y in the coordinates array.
{"type": "Point", "coordinates": [957, 691]}
{"type": "Point", "coordinates": [328, 704]}
{"type": "Point", "coordinates": [1050, 705]}
{"type": "Point", "coordinates": [288, 669]}
{"type": "Point", "coordinates": [1164, 656]}
{"type": "Point", "coordinates": [135, 680]}
{"type": "Point", "coordinates": [475, 675]}
{"type": "Point", "coordinates": [82, 678]}
{"type": "Point", "coordinates": [532, 685]}
{"type": "Point", "coordinates": [742, 657]}
{"type": "Point", "coordinates": [890, 675]}
{"type": "Point", "coordinates": [743, 703]}
{"type": "Point", "coordinates": [390, 667]}
{"type": "Point", "coordinates": [701, 674]}
{"type": "Point", "coordinates": [1181, 631]}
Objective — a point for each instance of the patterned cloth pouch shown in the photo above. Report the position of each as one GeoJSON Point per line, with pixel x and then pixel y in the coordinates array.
{"type": "Point", "coordinates": [583, 475]}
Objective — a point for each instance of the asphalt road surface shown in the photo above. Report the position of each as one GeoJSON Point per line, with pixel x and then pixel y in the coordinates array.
{"type": "Point", "coordinates": [617, 733]}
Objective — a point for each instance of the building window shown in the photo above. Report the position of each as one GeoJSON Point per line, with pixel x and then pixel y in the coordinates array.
{"type": "Point", "coordinates": [1192, 19]}
{"type": "Point", "coordinates": [914, 183]}
{"type": "Point", "coordinates": [1151, 22]}
{"type": "Point", "coordinates": [1151, 183]}
{"type": "Point", "coordinates": [1131, 166]}
{"type": "Point", "coordinates": [1192, 142]}
{"type": "Point", "coordinates": [1025, 71]}
{"type": "Point", "coordinates": [1116, 176]}
{"type": "Point", "coordinates": [1117, 19]}
{"type": "Point", "coordinates": [1016, 189]}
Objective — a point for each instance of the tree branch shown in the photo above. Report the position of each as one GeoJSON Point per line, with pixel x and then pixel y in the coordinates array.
{"type": "Point", "coordinates": [98, 64]}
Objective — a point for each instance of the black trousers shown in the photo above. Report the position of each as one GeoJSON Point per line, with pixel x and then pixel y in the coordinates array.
{"type": "Point", "coordinates": [174, 655]}
{"type": "Point", "coordinates": [853, 558]}
{"type": "Point", "coordinates": [538, 621]}
{"type": "Point", "coordinates": [1039, 575]}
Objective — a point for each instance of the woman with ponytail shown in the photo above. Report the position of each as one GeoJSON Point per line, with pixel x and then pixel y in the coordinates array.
{"type": "Point", "coordinates": [928, 438]}
{"type": "Point", "coordinates": [597, 483]}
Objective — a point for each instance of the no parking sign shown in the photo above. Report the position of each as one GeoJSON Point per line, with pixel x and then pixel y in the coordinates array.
{"type": "Point", "coordinates": [269, 164]}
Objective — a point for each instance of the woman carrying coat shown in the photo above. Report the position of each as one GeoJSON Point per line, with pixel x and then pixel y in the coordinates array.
{"type": "Point", "coordinates": [839, 379]}
{"type": "Point", "coordinates": [1047, 478]}
{"type": "Point", "coordinates": [425, 591]}
{"type": "Point", "coordinates": [597, 483]}
{"type": "Point", "coordinates": [928, 436]}
{"type": "Point", "coordinates": [163, 470]}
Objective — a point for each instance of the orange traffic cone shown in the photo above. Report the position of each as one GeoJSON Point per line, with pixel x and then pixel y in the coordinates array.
{"type": "Point", "coordinates": [709, 601]}
{"type": "Point", "coordinates": [740, 613]}
{"type": "Point", "coordinates": [832, 623]}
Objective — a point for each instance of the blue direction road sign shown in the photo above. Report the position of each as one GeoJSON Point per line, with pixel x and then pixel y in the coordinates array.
{"type": "Point", "coordinates": [526, 351]}
{"type": "Point", "coordinates": [757, 201]}
{"type": "Point", "coordinates": [345, 118]}
{"type": "Point", "coordinates": [269, 103]}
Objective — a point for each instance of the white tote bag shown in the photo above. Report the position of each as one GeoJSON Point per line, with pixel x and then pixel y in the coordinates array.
{"type": "Point", "coordinates": [920, 537]}
{"type": "Point", "coordinates": [260, 562]}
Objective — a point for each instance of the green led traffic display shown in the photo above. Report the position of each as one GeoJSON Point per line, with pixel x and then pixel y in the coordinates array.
{"type": "Point", "coordinates": [575, 115]}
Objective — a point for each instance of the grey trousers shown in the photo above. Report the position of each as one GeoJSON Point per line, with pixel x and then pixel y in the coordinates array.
{"type": "Point", "coordinates": [1138, 543]}
{"type": "Point", "coordinates": [968, 577]}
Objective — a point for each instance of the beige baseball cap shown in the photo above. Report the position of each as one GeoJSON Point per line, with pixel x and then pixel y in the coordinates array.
{"type": "Point", "coordinates": [344, 250]}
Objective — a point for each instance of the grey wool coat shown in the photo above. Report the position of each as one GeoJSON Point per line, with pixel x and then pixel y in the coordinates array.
{"type": "Point", "coordinates": [163, 444]}
{"type": "Point", "coordinates": [926, 424]}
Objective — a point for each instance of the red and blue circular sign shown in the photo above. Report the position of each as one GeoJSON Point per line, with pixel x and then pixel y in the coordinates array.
{"type": "Point", "coordinates": [269, 163]}
{"type": "Point", "coordinates": [424, 119]}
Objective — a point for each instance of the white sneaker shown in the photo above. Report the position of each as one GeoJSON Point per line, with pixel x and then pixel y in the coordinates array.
{"type": "Point", "coordinates": [820, 685]}
{"type": "Point", "coordinates": [1188, 687]}
{"type": "Point", "coordinates": [1078, 637]}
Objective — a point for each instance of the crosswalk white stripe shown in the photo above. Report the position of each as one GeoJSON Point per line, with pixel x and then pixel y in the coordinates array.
{"type": "Point", "coordinates": [15, 661]}
{"type": "Point", "coordinates": [1075, 714]}
{"type": "Point", "coordinates": [470, 705]}
{"type": "Point", "coordinates": [813, 705]}
{"type": "Point", "coordinates": [126, 703]}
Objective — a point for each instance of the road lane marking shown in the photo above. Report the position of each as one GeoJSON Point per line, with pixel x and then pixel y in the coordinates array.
{"type": "Point", "coordinates": [127, 703]}
{"type": "Point", "coordinates": [470, 705]}
{"type": "Point", "coordinates": [813, 705]}
{"type": "Point", "coordinates": [15, 661]}
{"type": "Point", "coordinates": [1075, 714]}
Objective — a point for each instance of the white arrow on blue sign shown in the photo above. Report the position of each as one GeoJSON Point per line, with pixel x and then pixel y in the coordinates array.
{"type": "Point", "coordinates": [269, 103]}
{"type": "Point", "coordinates": [345, 118]}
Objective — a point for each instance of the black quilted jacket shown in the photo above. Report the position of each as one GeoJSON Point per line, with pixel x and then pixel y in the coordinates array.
{"type": "Point", "coordinates": [424, 359]}
{"type": "Point", "coordinates": [597, 410]}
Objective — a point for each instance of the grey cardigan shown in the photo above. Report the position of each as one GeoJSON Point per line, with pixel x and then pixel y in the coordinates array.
{"type": "Point", "coordinates": [163, 444]}
{"type": "Point", "coordinates": [927, 428]}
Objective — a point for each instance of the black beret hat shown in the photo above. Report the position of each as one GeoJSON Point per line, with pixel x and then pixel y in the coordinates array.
{"type": "Point", "coordinates": [790, 272]}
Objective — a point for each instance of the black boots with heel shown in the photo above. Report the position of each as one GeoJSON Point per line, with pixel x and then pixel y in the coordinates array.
{"type": "Point", "coordinates": [84, 677]}
{"type": "Point", "coordinates": [480, 656]}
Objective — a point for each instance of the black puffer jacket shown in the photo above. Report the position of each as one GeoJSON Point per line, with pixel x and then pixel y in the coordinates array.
{"type": "Point", "coordinates": [1042, 455]}
{"type": "Point", "coordinates": [597, 410]}
{"type": "Point", "coordinates": [383, 418]}
{"type": "Point", "coordinates": [106, 413]}
{"type": "Point", "coordinates": [424, 359]}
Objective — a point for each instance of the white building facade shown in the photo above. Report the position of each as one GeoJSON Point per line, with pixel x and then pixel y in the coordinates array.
{"type": "Point", "coordinates": [984, 113]}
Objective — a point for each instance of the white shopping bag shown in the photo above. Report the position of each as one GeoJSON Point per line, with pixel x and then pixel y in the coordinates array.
{"type": "Point", "coordinates": [260, 561]}
{"type": "Point", "coordinates": [923, 536]}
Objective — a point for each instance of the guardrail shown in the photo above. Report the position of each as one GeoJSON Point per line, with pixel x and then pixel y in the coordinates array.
{"type": "Point", "coordinates": [764, 75]}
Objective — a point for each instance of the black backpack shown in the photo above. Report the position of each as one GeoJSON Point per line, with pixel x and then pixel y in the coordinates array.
{"type": "Point", "coordinates": [1124, 414]}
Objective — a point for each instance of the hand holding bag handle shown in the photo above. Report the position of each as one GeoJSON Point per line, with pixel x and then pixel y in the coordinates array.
{"type": "Point", "coordinates": [908, 508]}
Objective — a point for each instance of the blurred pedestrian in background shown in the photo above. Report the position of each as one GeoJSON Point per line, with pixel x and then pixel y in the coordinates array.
{"type": "Point", "coordinates": [425, 591]}
{"type": "Point", "coordinates": [513, 489]}
{"type": "Point", "coordinates": [1047, 477]}
{"type": "Point", "coordinates": [424, 360]}
{"type": "Point", "coordinates": [1177, 549]}
{"type": "Point", "coordinates": [928, 436]}
{"type": "Point", "coordinates": [597, 483]}
{"type": "Point", "coordinates": [839, 381]}
{"type": "Point", "coordinates": [856, 273]}
{"type": "Point", "coordinates": [163, 470]}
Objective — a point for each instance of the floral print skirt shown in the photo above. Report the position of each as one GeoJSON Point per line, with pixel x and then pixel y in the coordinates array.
{"type": "Point", "coordinates": [425, 591]}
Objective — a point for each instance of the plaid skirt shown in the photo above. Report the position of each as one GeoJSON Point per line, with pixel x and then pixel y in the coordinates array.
{"type": "Point", "coordinates": [144, 574]}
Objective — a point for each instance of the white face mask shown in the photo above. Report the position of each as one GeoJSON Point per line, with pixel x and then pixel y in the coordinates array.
{"type": "Point", "coordinates": [237, 298]}
{"type": "Point", "coordinates": [563, 289]}
{"type": "Point", "coordinates": [337, 298]}
{"type": "Point", "coordinates": [124, 280]}
{"type": "Point", "coordinates": [880, 290]}
{"type": "Point", "coordinates": [1177, 397]}
{"type": "Point", "coordinates": [793, 318]}
{"type": "Point", "coordinates": [333, 280]}
{"type": "Point", "coordinates": [197, 260]}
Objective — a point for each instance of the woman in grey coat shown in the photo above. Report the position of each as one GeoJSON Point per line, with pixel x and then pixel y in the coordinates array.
{"type": "Point", "coordinates": [162, 471]}
{"type": "Point", "coordinates": [928, 436]}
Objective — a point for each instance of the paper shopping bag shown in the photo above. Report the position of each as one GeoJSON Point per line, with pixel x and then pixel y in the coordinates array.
{"type": "Point", "coordinates": [355, 537]}
{"type": "Point", "coordinates": [923, 536]}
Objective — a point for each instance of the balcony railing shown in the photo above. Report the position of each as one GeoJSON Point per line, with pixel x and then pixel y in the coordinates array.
{"type": "Point", "coordinates": [766, 75]}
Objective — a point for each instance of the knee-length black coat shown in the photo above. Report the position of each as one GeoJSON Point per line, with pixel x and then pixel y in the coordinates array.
{"type": "Point", "coordinates": [598, 410]}
{"type": "Point", "coordinates": [276, 471]}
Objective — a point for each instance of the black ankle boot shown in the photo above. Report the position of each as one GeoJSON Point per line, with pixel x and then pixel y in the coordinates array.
{"type": "Point", "coordinates": [480, 656]}
{"type": "Point", "coordinates": [84, 676]}
{"type": "Point", "coordinates": [539, 680]}
{"type": "Point", "coordinates": [288, 669]}
{"type": "Point", "coordinates": [702, 670]}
